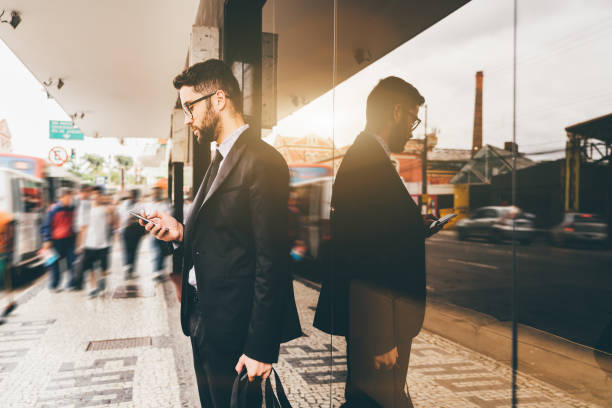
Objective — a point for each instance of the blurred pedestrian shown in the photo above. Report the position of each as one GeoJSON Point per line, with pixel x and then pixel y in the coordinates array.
{"type": "Point", "coordinates": [160, 248]}
{"type": "Point", "coordinates": [378, 244]}
{"type": "Point", "coordinates": [96, 232]}
{"type": "Point", "coordinates": [132, 233]}
{"type": "Point", "coordinates": [82, 202]}
{"type": "Point", "coordinates": [59, 233]}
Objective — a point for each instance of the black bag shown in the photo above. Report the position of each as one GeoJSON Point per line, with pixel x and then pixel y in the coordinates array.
{"type": "Point", "coordinates": [239, 392]}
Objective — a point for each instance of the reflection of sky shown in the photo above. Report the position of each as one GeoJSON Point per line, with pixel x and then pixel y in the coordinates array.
{"type": "Point", "coordinates": [564, 76]}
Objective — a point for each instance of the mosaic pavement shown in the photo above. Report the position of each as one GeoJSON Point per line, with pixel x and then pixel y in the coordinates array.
{"type": "Point", "coordinates": [140, 358]}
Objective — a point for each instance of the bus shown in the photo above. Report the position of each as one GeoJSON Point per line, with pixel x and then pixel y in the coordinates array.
{"type": "Point", "coordinates": [22, 206]}
{"type": "Point", "coordinates": [32, 166]}
{"type": "Point", "coordinates": [55, 176]}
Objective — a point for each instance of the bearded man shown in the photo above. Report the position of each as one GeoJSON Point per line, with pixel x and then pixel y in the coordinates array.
{"type": "Point", "coordinates": [375, 293]}
{"type": "Point", "coordinates": [237, 301]}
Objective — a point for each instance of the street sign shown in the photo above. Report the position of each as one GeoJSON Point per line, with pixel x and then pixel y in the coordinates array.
{"type": "Point", "coordinates": [58, 155]}
{"type": "Point", "coordinates": [64, 129]}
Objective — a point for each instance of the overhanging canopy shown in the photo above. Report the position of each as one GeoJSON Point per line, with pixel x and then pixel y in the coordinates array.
{"type": "Point", "coordinates": [117, 58]}
{"type": "Point", "coordinates": [599, 128]}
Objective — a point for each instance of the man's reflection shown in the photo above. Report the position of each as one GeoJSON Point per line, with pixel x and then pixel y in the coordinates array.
{"type": "Point", "coordinates": [375, 293]}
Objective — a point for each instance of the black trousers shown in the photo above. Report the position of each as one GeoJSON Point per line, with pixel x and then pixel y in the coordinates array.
{"type": "Point", "coordinates": [131, 238]}
{"type": "Point", "coordinates": [214, 369]}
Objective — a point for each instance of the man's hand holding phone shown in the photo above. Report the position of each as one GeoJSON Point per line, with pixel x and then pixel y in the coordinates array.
{"type": "Point", "coordinates": [161, 225]}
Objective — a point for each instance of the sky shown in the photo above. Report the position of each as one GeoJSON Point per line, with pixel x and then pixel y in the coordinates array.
{"type": "Point", "coordinates": [564, 77]}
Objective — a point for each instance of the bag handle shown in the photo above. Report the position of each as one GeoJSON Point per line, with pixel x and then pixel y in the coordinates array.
{"type": "Point", "coordinates": [273, 400]}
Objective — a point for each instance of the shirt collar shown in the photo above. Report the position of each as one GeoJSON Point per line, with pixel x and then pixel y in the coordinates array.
{"type": "Point", "coordinates": [225, 147]}
{"type": "Point", "coordinates": [383, 144]}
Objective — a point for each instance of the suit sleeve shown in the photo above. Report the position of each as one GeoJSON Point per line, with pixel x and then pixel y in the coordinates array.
{"type": "Point", "coordinates": [268, 201]}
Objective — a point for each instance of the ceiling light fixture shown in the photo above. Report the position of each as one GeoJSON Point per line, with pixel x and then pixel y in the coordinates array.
{"type": "Point", "coordinates": [362, 55]}
{"type": "Point", "coordinates": [58, 82]}
{"type": "Point", "coordinates": [15, 19]}
{"type": "Point", "coordinates": [77, 115]}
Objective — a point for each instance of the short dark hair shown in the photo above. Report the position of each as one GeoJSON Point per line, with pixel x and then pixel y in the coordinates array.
{"type": "Point", "coordinates": [97, 189]}
{"type": "Point", "coordinates": [85, 187]}
{"type": "Point", "coordinates": [386, 94]}
{"type": "Point", "coordinates": [64, 191]}
{"type": "Point", "coordinates": [209, 76]}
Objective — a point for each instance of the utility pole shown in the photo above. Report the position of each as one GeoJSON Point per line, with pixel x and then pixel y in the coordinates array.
{"type": "Point", "coordinates": [424, 197]}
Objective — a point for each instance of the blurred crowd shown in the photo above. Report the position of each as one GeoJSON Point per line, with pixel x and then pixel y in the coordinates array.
{"type": "Point", "coordinates": [81, 228]}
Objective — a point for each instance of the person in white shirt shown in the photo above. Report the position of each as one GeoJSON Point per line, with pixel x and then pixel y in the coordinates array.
{"type": "Point", "coordinates": [95, 238]}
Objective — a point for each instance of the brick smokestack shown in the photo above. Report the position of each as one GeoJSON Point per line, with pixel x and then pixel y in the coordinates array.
{"type": "Point", "coordinates": [477, 137]}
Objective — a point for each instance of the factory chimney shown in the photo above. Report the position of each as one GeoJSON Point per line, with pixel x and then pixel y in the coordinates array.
{"type": "Point", "coordinates": [477, 137]}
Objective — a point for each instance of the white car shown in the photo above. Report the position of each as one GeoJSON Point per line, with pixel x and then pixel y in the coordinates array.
{"type": "Point", "coordinates": [497, 224]}
{"type": "Point", "coordinates": [580, 228]}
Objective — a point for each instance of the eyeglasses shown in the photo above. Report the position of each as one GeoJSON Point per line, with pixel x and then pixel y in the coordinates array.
{"type": "Point", "coordinates": [416, 122]}
{"type": "Point", "coordinates": [187, 106]}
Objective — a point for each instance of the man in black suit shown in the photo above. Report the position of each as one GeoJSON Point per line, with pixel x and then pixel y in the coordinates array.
{"type": "Point", "coordinates": [237, 301]}
{"type": "Point", "coordinates": [377, 276]}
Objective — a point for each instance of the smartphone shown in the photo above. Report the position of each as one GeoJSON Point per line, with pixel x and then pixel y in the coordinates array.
{"type": "Point", "coordinates": [442, 221]}
{"type": "Point", "coordinates": [140, 217]}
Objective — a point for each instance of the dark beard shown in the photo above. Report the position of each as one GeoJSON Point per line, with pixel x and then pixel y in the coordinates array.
{"type": "Point", "coordinates": [398, 138]}
{"type": "Point", "coordinates": [207, 133]}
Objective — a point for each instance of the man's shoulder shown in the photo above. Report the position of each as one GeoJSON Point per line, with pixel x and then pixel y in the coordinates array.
{"type": "Point", "coordinates": [53, 209]}
{"type": "Point", "coordinates": [260, 152]}
{"type": "Point", "coordinates": [362, 155]}
{"type": "Point", "coordinates": [58, 207]}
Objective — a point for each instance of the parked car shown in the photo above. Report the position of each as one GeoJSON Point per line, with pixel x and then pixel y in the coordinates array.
{"type": "Point", "coordinates": [497, 224]}
{"type": "Point", "coordinates": [580, 228]}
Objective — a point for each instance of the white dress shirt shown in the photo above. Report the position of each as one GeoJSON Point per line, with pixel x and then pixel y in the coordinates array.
{"type": "Point", "coordinates": [383, 144]}
{"type": "Point", "coordinates": [224, 148]}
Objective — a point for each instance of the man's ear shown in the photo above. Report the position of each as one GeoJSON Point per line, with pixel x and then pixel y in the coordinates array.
{"type": "Point", "coordinates": [221, 100]}
{"type": "Point", "coordinates": [397, 113]}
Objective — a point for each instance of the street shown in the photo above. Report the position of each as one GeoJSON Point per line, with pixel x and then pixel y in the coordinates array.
{"type": "Point", "coordinates": [564, 291]}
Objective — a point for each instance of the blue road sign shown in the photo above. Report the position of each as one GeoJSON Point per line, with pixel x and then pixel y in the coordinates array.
{"type": "Point", "coordinates": [65, 130]}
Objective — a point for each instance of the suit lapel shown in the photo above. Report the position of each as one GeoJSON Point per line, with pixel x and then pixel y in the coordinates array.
{"type": "Point", "coordinates": [226, 167]}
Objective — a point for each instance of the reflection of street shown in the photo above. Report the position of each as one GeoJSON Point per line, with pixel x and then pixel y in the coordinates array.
{"type": "Point", "coordinates": [442, 373]}
{"type": "Point", "coordinates": [565, 291]}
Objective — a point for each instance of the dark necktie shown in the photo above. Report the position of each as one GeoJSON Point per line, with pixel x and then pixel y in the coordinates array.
{"type": "Point", "coordinates": [214, 169]}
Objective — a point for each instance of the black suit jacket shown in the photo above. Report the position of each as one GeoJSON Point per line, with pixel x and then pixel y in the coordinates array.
{"type": "Point", "coordinates": [378, 236]}
{"type": "Point", "coordinates": [236, 237]}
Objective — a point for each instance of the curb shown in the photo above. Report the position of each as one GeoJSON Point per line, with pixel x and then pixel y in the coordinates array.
{"type": "Point", "coordinates": [581, 371]}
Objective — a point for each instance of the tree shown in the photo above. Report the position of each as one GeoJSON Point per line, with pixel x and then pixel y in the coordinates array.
{"type": "Point", "coordinates": [124, 161]}
{"type": "Point", "coordinates": [75, 168]}
{"type": "Point", "coordinates": [95, 163]}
